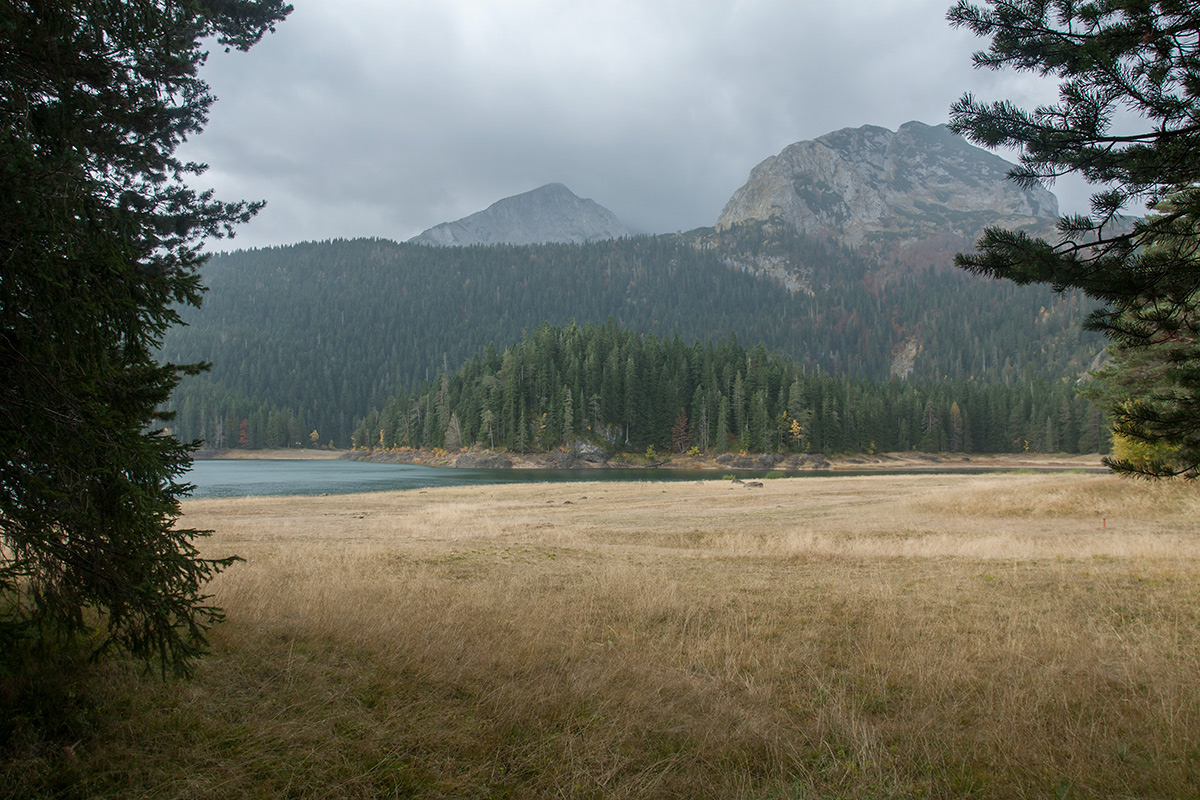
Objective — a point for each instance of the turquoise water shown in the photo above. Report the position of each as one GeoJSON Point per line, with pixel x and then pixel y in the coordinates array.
{"type": "Point", "coordinates": [242, 478]}
{"type": "Point", "coordinates": [252, 478]}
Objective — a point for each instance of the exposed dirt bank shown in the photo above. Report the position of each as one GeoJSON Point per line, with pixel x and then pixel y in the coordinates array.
{"type": "Point", "coordinates": [279, 454]}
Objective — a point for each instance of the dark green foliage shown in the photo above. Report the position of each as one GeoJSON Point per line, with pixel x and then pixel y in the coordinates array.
{"type": "Point", "coordinates": [666, 388]}
{"type": "Point", "coordinates": [99, 238]}
{"type": "Point", "coordinates": [1112, 58]}
{"type": "Point", "coordinates": [322, 333]}
{"type": "Point", "coordinates": [1152, 395]}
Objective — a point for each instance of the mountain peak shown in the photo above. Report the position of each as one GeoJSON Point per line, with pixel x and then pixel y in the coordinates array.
{"type": "Point", "coordinates": [870, 184]}
{"type": "Point", "coordinates": [550, 213]}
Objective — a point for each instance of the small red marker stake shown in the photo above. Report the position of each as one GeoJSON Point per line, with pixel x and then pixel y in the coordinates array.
{"type": "Point", "coordinates": [1103, 523]}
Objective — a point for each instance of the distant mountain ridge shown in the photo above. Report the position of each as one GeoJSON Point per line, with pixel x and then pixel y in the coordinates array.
{"type": "Point", "coordinates": [548, 214]}
{"type": "Point", "coordinates": [888, 190]}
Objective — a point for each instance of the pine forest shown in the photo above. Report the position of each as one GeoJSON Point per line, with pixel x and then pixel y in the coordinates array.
{"type": "Point", "coordinates": [311, 344]}
{"type": "Point", "coordinates": [627, 391]}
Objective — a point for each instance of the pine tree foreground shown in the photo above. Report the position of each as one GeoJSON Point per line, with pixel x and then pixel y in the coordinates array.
{"type": "Point", "coordinates": [1113, 59]}
{"type": "Point", "coordinates": [99, 236]}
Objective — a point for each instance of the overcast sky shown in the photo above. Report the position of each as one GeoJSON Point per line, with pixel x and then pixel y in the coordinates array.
{"type": "Point", "coordinates": [385, 117]}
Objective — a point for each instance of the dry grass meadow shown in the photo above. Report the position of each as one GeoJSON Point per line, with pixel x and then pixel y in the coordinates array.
{"type": "Point", "coordinates": [983, 636]}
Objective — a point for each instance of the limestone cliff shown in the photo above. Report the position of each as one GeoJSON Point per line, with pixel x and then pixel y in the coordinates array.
{"type": "Point", "coordinates": [551, 213]}
{"type": "Point", "coordinates": [920, 186]}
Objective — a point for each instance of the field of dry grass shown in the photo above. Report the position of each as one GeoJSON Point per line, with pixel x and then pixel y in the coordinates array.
{"type": "Point", "coordinates": [989, 636]}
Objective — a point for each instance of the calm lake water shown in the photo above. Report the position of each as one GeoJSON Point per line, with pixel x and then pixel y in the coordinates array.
{"type": "Point", "coordinates": [242, 478]}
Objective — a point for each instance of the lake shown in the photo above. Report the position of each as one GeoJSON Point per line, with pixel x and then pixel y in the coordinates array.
{"type": "Point", "coordinates": [242, 478]}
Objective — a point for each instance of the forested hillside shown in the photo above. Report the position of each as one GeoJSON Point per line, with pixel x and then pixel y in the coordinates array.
{"type": "Point", "coordinates": [309, 338]}
{"type": "Point", "coordinates": [628, 391]}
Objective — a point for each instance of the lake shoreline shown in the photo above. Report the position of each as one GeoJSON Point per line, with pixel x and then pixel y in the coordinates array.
{"type": "Point", "coordinates": [565, 459]}
{"type": "Point", "coordinates": [272, 454]}
{"type": "Point", "coordinates": [785, 463]}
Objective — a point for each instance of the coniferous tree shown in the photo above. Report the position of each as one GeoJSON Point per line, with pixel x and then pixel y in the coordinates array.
{"type": "Point", "coordinates": [681, 437]}
{"type": "Point", "coordinates": [454, 435]}
{"type": "Point", "coordinates": [723, 424]}
{"type": "Point", "coordinates": [700, 425]}
{"type": "Point", "coordinates": [957, 429]}
{"type": "Point", "coordinates": [568, 415]}
{"type": "Point", "coordinates": [100, 237]}
{"type": "Point", "coordinates": [1141, 56]}
{"type": "Point", "coordinates": [740, 417]}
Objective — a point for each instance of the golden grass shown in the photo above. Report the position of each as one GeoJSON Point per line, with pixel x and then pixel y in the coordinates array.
{"type": "Point", "coordinates": [924, 636]}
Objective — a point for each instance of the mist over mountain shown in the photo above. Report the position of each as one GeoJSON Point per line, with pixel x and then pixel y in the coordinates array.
{"type": "Point", "coordinates": [548, 214]}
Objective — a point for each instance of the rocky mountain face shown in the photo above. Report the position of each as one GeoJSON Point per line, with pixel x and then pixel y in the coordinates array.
{"type": "Point", "coordinates": [551, 213]}
{"type": "Point", "coordinates": [920, 193]}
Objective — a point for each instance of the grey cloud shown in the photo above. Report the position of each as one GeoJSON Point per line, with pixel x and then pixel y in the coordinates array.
{"type": "Point", "coordinates": [385, 118]}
